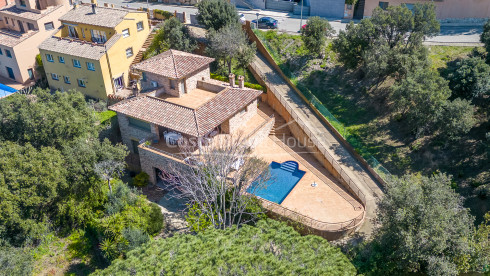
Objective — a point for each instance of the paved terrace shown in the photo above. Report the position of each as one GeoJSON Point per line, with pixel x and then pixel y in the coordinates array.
{"type": "Point", "coordinates": [346, 161]}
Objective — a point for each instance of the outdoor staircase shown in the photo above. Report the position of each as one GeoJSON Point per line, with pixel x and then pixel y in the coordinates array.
{"type": "Point", "coordinates": [280, 128]}
{"type": "Point", "coordinates": [148, 41]}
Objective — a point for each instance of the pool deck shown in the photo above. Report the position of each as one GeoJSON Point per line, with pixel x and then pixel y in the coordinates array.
{"type": "Point", "coordinates": [328, 202]}
{"type": "Point", "coordinates": [11, 83]}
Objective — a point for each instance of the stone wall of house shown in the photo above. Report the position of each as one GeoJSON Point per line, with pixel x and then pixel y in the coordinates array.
{"type": "Point", "coordinates": [260, 134]}
{"type": "Point", "coordinates": [151, 159]}
{"type": "Point", "coordinates": [198, 75]}
{"type": "Point", "coordinates": [129, 133]}
{"type": "Point", "coordinates": [239, 119]}
{"type": "Point", "coordinates": [163, 85]}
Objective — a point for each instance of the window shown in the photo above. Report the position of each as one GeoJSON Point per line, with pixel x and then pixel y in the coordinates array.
{"type": "Point", "coordinates": [61, 59]}
{"type": "Point", "coordinates": [67, 79]}
{"type": "Point", "coordinates": [83, 32]}
{"type": "Point", "coordinates": [72, 32]}
{"type": "Point", "coordinates": [30, 72]}
{"type": "Point", "coordinates": [139, 26]}
{"type": "Point", "coordinates": [23, 3]}
{"type": "Point", "coordinates": [139, 124]}
{"type": "Point", "coordinates": [30, 27]}
{"type": "Point", "coordinates": [49, 58]}
{"type": "Point", "coordinates": [98, 36]}
{"type": "Point", "coordinates": [81, 83]}
{"type": "Point", "coordinates": [125, 33]}
{"type": "Point", "coordinates": [1, 53]}
{"type": "Point", "coordinates": [90, 66]}
{"type": "Point", "coordinates": [6, 20]}
{"type": "Point", "coordinates": [129, 52]}
{"type": "Point", "coordinates": [143, 75]}
{"type": "Point", "coordinates": [383, 5]}
{"type": "Point", "coordinates": [154, 84]}
{"type": "Point", "coordinates": [55, 76]}
{"type": "Point", "coordinates": [8, 53]}
{"type": "Point", "coordinates": [172, 84]}
{"type": "Point", "coordinates": [49, 26]}
{"type": "Point", "coordinates": [135, 144]}
{"type": "Point", "coordinates": [76, 63]}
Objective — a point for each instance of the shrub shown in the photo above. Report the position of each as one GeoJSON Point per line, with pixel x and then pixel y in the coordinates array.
{"type": "Point", "coordinates": [470, 78]}
{"type": "Point", "coordinates": [15, 261]}
{"type": "Point", "coordinates": [135, 237]}
{"type": "Point", "coordinates": [155, 220]}
{"type": "Point", "coordinates": [271, 248]}
{"type": "Point", "coordinates": [159, 14]}
{"type": "Point", "coordinates": [141, 179]}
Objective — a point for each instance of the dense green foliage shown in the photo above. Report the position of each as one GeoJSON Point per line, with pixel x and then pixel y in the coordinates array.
{"type": "Point", "coordinates": [216, 14]}
{"type": "Point", "coordinates": [47, 166]}
{"type": "Point", "coordinates": [485, 39]}
{"type": "Point", "coordinates": [127, 221]}
{"type": "Point", "coordinates": [315, 34]}
{"type": "Point", "coordinates": [141, 179]}
{"type": "Point", "coordinates": [240, 52]}
{"type": "Point", "coordinates": [390, 42]}
{"type": "Point", "coordinates": [15, 261]}
{"type": "Point", "coordinates": [46, 119]}
{"type": "Point", "coordinates": [423, 228]}
{"type": "Point", "coordinates": [172, 35]}
{"type": "Point", "coordinates": [270, 248]}
{"type": "Point", "coordinates": [470, 78]}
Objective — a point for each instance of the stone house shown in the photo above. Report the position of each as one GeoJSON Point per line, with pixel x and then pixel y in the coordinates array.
{"type": "Point", "coordinates": [179, 102]}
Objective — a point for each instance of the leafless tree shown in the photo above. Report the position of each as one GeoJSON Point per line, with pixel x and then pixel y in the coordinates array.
{"type": "Point", "coordinates": [108, 169]}
{"type": "Point", "coordinates": [221, 180]}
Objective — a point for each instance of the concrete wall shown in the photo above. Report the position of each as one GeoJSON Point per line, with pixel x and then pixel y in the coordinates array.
{"type": "Point", "coordinates": [163, 85]}
{"type": "Point", "coordinates": [446, 9]}
{"type": "Point", "coordinates": [327, 8]}
{"type": "Point", "coordinates": [256, 4]}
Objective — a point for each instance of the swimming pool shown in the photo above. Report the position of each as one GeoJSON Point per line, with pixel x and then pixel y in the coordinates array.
{"type": "Point", "coordinates": [283, 178]}
{"type": "Point", "coordinates": [6, 90]}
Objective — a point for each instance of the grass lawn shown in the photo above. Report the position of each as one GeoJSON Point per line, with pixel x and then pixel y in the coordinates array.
{"type": "Point", "coordinates": [368, 117]}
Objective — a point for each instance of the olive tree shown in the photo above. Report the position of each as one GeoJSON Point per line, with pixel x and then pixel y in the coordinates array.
{"type": "Point", "coordinates": [315, 33]}
{"type": "Point", "coordinates": [216, 14]}
{"type": "Point", "coordinates": [230, 45]}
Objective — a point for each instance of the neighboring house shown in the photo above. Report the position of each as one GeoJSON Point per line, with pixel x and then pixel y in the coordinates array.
{"type": "Point", "coordinates": [445, 9]}
{"type": "Point", "coordinates": [93, 49]}
{"type": "Point", "coordinates": [24, 24]}
{"type": "Point", "coordinates": [178, 100]}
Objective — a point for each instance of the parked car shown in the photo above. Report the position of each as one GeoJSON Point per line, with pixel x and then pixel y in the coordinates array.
{"type": "Point", "coordinates": [266, 22]}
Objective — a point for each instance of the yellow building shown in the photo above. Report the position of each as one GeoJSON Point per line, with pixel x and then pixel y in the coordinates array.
{"type": "Point", "coordinates": [93, 49]}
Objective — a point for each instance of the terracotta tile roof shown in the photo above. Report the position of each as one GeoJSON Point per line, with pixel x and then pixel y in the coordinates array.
{"type": "Point", "coordinates": [105, 17]}
{"type": "Point", "coordinates": [77, 48]}
{"type": "Point", "coordinates": [173, 64]}
{"type": "Point", "coordinates": [195, 122]}
{"type": "Point", "coordinates": [12, 10]}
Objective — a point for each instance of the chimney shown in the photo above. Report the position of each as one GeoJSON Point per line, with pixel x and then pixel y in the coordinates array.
{"type": "Point", "coordinates": [231, 77]}
{"type": "Point", "coordinates": [94, 2]}
{"type": "Point", "coordinates": [241, 82]}
{"type": "Point", "coordinates": [75, 5]}
{"type": "Point", "coordinates": [93, 9]}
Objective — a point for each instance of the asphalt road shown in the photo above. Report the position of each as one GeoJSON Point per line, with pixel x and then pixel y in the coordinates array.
{"type": "Point", "coordinates": [450, 35]}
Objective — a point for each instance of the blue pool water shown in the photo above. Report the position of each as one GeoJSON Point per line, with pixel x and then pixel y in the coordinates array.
{"type": "Point", "coordinates": [6, 90]}
{"type": "Point", "coordinates": [283, 178]}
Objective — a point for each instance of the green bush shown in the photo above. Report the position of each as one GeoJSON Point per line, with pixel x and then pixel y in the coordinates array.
{"type": "Point", "coordinates": [141, 179]}
{"type": "Point", "coordinates": [164, 14]}
{"type": "Point", "coordinates": [270, 248]}
{"type": "Point", "coordinates": [15, 261]}
{"type": "Point", "coordinates": [155, 220]}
